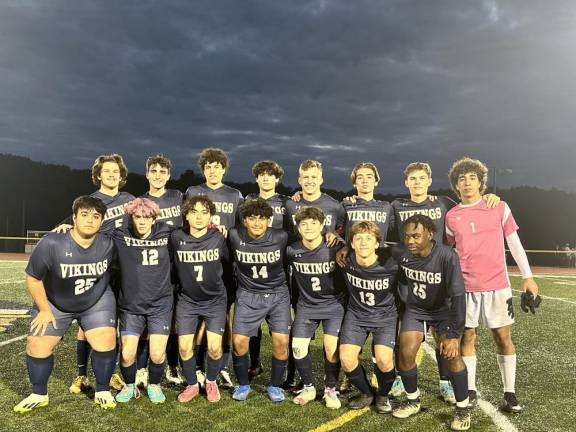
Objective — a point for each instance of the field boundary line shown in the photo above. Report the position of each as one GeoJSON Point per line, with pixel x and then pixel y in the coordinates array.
{"type": "Point", "coordinates": [339, 421]}
{"type": "Point", "coordinates": [16, 339]}
{"type": "Point", "coordinates": [551, 298]}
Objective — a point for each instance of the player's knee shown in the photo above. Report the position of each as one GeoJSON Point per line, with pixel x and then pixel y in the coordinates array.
{"type": "Point", "coordinates": [128, 355]}
{"type": "Point", "coordinates": [469, 338]}
{"type": "Point", "coordinates": [157, 355]}
{"type": "Point", "coordinates": [503, 341]}
{"type": "Point", "coordinates": [385, 364]}
{"type": "Point", "coordinates": [300, 347]}
{"type": "Point", "coordinates": [280, 347]}
{"type": "Point", "coordinates": [214, 349]}
{"type": "Point", "coordinates": [456, 364]}
{"type": "Point", "coordinates": [36, 347]}
{"type": "Point", "coordinates": [348, 361]}
{"type": "Point", "coordinates": [240, 343]}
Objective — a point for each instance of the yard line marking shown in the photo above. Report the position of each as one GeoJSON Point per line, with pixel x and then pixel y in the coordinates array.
{"type": "Point", "coordinates": [499, 419]}
{"type": "Point", "coordinates": [551, 298]}
{"type": "Point", "coordinates": [16, 339]}
{"type": "Point", "coordinates": [340, 421]}
{"type": "Point", "coordinates": [12, 281]}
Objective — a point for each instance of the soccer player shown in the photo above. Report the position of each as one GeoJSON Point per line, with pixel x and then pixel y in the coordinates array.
{"type": "Point", "coordinates": [258, 253]}
{"type": "Point", "coordinates": [321, 301]}
{"type": "Point", "coordinates": [146, 294]}
{"type": "Point", "coordinates": [198, 257]}
{"type": "Point", "coordinates": [478, 233]}
{"type": "Point", "coordinates": [371, 283]}
{"type": "Point", "coordinates": [432, 288]}
{"type": "Point", "coordinates": [68, 278]}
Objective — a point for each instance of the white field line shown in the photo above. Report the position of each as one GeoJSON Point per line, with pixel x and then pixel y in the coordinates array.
{"type": "Point", "coordinates": [552, 298]}
{"type": "Point", "coordinates": [16, 339]}
{"type": "Point", "coordinates": [12, 281]}
{"type": "Point", "coordinates": [500, 420]}
{"type": "Point", "coordinates": [547, 276]}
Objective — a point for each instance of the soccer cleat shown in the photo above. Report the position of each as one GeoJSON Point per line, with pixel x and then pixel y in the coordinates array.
{"type": "Point", "coordinates": [189, 393]}
{"type": "Point", "coordinates": [397, 388]}
{"type": "Point", "coordinates": [407, 409]}
{"type": "Point", "coordinates": [472, 399]}
{"type": "Point", "coordinates": [212, 391]}
{"type": "Point", "coordinates": [142, 378]}
{"type": "Point", "coordinates": [241, 393]}
{"type": "Point", "coordinates": [382, 405]}
{"type": "Point", "coordinates": [31, 402]}
{"type": "Point", "coordinates": [289, 384]}
{"type": "Point", "coordinates": [174, 376]}
{"type": "Point", "coordinates": [128, 392]}
{"type": "Point", "coordinates": [116, 382]}
{"type": "Point", "coordinates": [155, 394]}
{"type": "Point", "coordinates": [81, 383]}
{"type": "Point", "coordinates": [200, 378]}
{"type": "Point", "coordinates": [511, 404]}
{"type": "Point", "coordinates": [345, 385]}
{"type": "Point", "coordinates": [361, 401]}
{"type": "Point", "coordinates": [331, 398]}
{"type": "Point", "coordinates": [307, 394]}
{"type": "Point", "coordinates": [461, 420]}
{"type": "Point", "coordinates": [224, 379]}
{"type": "Point", "coordinates": [253, 372]}
{"type": "Point", "coordinates": [447, 392]}
{"type": "Point", "coordinates": [374, 381]}
{"type": "Point", "coordinates": [105, 399]}
{"type": "Point", "coordinates": [276, 394]}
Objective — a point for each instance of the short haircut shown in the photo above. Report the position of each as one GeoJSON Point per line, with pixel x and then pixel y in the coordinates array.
{"type": "Point", "coordinates": [267, 167]}
{"type": "Point", "coordinates": [88, 202]}
{"type": "Point", "coordinates": [256, 207]}
{"type": "Point", "coordinates": [420, 219]}
{"type": "Point", "coordinates": [368, 165]}
{"type": "Point", "coordinates": [309, 164]}
{"type": "Point", "coordinates": [158, 159]}
{"type": "Point", "coordinates": [304, 213]}
{"type": "Point", "coordinates": [365, 227]}
{"type": "Point", "coordinates": [142, 207]}
{"type": "Point", "coordinates": [97, 168]}
{"type": "Point", "coordinates": [190, 203]}
{"type": "Point", "coordinates": [211, 155]}
{"type": "Point", "coordinates": [468, 165]}
{"type": "Point", "coordinates": [416, 166]}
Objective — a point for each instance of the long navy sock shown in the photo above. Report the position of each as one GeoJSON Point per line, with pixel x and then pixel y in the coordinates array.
{"type": "Point", "coordinates": [172, 350]}
{"type": "Point", "coordinates": [278, 370]}
{"type": "Point", "coordinates": [304, 366]}
{"type": "Point", "coordinates": [358, 378]}
{"type": "Point", "coordinates": [189, 370]}
{"type": "Point", "coordinates": [410, 380]}
{"type": "Point", "coordinates": [103, 363]}
{"type": "Point", "coordinates": [128, 373]}
{"type": "Point", "coordinates": [291, 365]}
{"type": "Point", "coordinates": [460, 384]}
{"type": "Point", "coordinates": [225, 358]}
{"type": "Point", "coordinates": [240, 364]}
{"type": "Point", "coordinates": [143, 353]}
{"type": "Point", "coordinates": [331, 371]}
{"type": "Point", "coordinates": [385, 380]}
{"type": "Point", "coordinates": [213, 367]}
{"type": "Point", "coordinates": [443, 371]}
{"type": "Point", "coordinates": [39, 370]}
{"type": "Point", "coordinates": [200, 354]}
{"type": "Point", "coordinates": [155, 372]}
{"type": "Point", "coordinates": [82, 354]}
{"type": "Point", "coordinates": [254, 347]}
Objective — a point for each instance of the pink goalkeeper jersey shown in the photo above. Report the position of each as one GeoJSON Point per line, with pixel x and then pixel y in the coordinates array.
{"type": "Point", "coordinates": [479, 233]}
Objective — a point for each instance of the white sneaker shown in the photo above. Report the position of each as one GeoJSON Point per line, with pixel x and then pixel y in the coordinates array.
{"type": "Point", "coordinates": [224, 379]}
{"type": "Point", "coordinates": [331, 398]}
{"type": "Point", "coordinates": [174, 376]}
{"type": "Point", "coordinates": [307, 394]}
{"type": "Point", "coordinates": [141, 378]}
{"type": "Point", "coordinates": [201, 378]}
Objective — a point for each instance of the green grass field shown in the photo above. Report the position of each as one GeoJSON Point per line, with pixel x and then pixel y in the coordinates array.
{"type": "Point", "coordinates": [546, 382]}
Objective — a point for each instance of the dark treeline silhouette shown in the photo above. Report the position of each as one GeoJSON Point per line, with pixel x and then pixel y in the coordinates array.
{"type": "Point", "coordinates": [38, 196]}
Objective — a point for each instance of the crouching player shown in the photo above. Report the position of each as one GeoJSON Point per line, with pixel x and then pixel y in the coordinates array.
{"type": "Point", "coordinates": [198, 257]}
{"type": "Point", "coordinates": [68, 278]}
{"type": "Point", "coordinates": [432, 287]}
{"type": "Point", "coordinates": [321, 300]}
{"type": "Point", "coordinates": [371, 282]}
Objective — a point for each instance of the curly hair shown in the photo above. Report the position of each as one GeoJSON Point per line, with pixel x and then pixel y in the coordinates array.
{"type": "Point", "coordinates": [420, 219]}
{"type": "Point", "coordinates": [211, 155]}
{"type": "Point", "coordinates": [100, 160]}
{"type": "Point", "coordinates": [256, 207]}
{"type": "Point", "coordinates": [158, 159]}
{"type": "Point", "coordinates": [267, 167]}
{"type": "Point", "coordinates": [468, 165]}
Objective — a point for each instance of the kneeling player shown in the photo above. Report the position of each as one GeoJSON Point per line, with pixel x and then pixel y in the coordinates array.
{"type": "Point", "coordinates": [198, 256]}
{"type": "Point", "coordinates": [432, 287]}
{"type": "Point", "coordinates": [371, 282]}
{"type": "Point", "coordinates": [262, 294]}
{"type": "Point", "coordinates": [68, 278]}
{"type": "Point", "coordinates": [321, 300]}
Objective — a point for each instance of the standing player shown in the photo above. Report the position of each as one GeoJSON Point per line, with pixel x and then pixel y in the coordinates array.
{"type": "Point", "coordinates": [371, 282]}
{"type": "Point", "coordinates": [262, 294]}
{"type": "Point", "coordinates": [68, 278]}
{"type": "Point", "coordinates": [198, 257]}
{"type": "Point", "coordinates": [479, 234]}
{"type": "Point", "coordinates": [432, 288]}
{"type": "Point", "coordinates": [321, 301]}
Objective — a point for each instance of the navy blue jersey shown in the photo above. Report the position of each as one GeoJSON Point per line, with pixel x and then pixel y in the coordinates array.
{"type": "Point", "coordinates": [259, 263]}
{"type": "Point", "coordinates": [315, 273]}
{"type": "Point", "coordinates": [145, 267]}
{"type": "Point", "coordinates": [74, 278]}
{"type": "Point", "coordinates": [435, 210]}
{"type": "Point", "coordinates": [371, 289]}
{"type": "Point", "coordinates": [226, 199]}
{"type": "Point", "coordinates": [169, 204]}
{"type": "Point", "coordinates": [114, 209]}
{"type": "Point", "coordinates": [332, 209]}
{"type": "Point", "coordinates": [379, 212]}
{"type": "Point", "coordinates": [198, 264]}
{"type": "Point", "coordinates": [278, 204]}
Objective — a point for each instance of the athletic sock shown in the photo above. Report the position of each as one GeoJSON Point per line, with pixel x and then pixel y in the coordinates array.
{"type": "Point", "coordinates": [304, 366]}
{"type": "Point", "coordinates": [507, 365]}
{"type": "Point", "coordinates": [291, 364]}
{"type": "Point", "coordinates": [278, 370]}
{"type": "Point", "coordinates": [189, 370]}
{"type": "Point", "coordinates": [225, 358]}
{"type": "Point", "coordinates": [128, 373]}
{"type": "Point", "coordinates": [155, 372]}
{"type": "Point", "coordinates": [200, 354]}
{"type": "Point", "coordinates": [82, 354]}
{"type": "Point", "coordinates": [39, 370]}
{"type": "Point", "coordinates": [459, 382]}
{"type": "Point", "coordinates": [213, 366]}
{"type": "Point", "coordinates": [255, 342]}
{"type": "Point", "coordinates": [103, 364]}
{"type": "Point", "coordinates": [358, 378]}
{"type": "Point", "coordinates": [143, 353]}
{"type": "Point", "coordinates": [410, 381]}
{"type": "Point", "coordinates": [331, 371]}
{"type": "Point", "coordinates": [240, 364]}
{"type": "Point", "coordinates": [385, 380]}
{"type": "Point", "coordinates": [443, 371]}
{"type": "Point", "coordinates": [172, 350]}
{"type": "Point", "coordinates": [470, 362]}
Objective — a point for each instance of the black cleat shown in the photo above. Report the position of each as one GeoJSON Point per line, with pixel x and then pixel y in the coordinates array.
{"type": "Point", "coordinates": [362, 401]}
{"type": "Point", "coordinates": [472, 399]}
{"type": "Point", "coordinates": [511, 404]}
{"type": "Point", "coordinates": [382, 405]}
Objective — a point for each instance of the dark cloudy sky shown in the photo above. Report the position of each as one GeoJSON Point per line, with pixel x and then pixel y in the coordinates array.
{"type": "Point", "coordinates": [340, 81]}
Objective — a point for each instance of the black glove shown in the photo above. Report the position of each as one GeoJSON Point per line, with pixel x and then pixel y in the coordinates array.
{"type": "Point", "coordinates": [529, 303]}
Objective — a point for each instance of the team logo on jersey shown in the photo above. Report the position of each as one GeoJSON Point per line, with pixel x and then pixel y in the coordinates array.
{"type": "Point", "coordinates": [297, 255]}
{"type": "Point", "coordinates": [182, 243]}
{"type": "Point", "coordinates": [166, 328]}
{"type": "Point", "coordinates": [242, 243]}
{"type": "Point", "coordinates": [68, 254]}
{"type": "Point", "coordinates": [404, 259]}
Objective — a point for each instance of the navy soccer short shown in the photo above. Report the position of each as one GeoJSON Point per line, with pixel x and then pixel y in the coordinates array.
{"type": "Point", "coordinates": [189, 313]}
{"type": "Point", "coordinates": [354, 332]}
{"type": "Point", "coordinates": [101, 314]}
{"type": "Point", "coordinates": [414, 321]}
{"type": "Point", "coordinates": [157, 320]}
{"type": "Point", "coordinates": [253, 308]}
{"type": "Point", "coordinates": [309, 318]}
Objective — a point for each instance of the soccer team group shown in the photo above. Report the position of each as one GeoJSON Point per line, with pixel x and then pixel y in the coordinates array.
{"type": "Point", "coordinates": [163, 271]}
